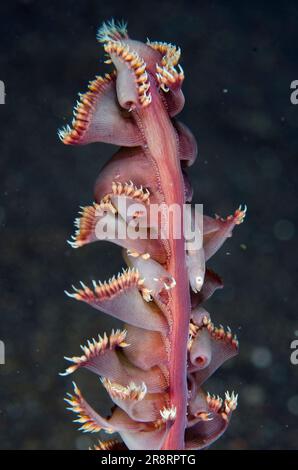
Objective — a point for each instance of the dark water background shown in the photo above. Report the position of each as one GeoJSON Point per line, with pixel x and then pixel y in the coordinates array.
{"type": "Point", "coordinates": [239, 60]}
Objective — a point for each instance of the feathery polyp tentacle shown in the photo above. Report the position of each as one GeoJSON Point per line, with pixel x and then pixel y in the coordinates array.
{"type": "Point", "coordinates": [101, 221]}
{"type": "Point", "coordinates": [109, 444]}
{"type": "Point", "coordinates": [112, 31]}
{"type": "Point", "coordinates": [136, 401]}
{"type": "Point", "coordinates": [126, 298]}
{"type": "Point", "coordinates": [169, 53]}
{"type": "Point", "coordinates": [221, 230]}
{"type": "Point", "coordinates": [98, 118]}
{"type": "Point", "coordinates": [93, 422]}
{"type": "Point", "coordinates": [110, 363]}
{"type": "Point", "coordinates": [97, 351]}
{"type": "Point", "coordinates": [132, 82]}
{"type": "Point", "coordinates": [212, 415]}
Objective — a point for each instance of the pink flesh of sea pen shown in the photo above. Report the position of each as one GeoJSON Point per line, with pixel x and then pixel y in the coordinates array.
{"type": "Point", "coordinates": [155, 367]}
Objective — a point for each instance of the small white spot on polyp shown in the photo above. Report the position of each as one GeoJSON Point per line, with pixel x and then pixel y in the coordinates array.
{"type": "Point", "coordinates": [199, 282]}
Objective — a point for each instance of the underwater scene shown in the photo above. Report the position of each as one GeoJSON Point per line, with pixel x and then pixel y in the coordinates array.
{"type": "Point", "coordinates": [148, 217]}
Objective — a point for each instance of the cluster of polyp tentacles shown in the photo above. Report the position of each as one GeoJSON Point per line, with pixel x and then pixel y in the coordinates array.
{"type": "Point", "coordinates": [133, 363]}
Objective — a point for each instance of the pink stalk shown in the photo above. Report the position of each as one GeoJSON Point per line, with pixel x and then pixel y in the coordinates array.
{"type": "Point", "coordinates": [178, 357]}
{"type": "Point", "coordinates": [162, 149]}
{"type": "Point", "coordinates": [155, 367]}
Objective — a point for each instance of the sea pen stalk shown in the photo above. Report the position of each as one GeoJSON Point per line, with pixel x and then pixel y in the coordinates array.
{"type": "Point", "coordinates": [163, 150]}
{"type": "Point", "coordinates": [154, 368]}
